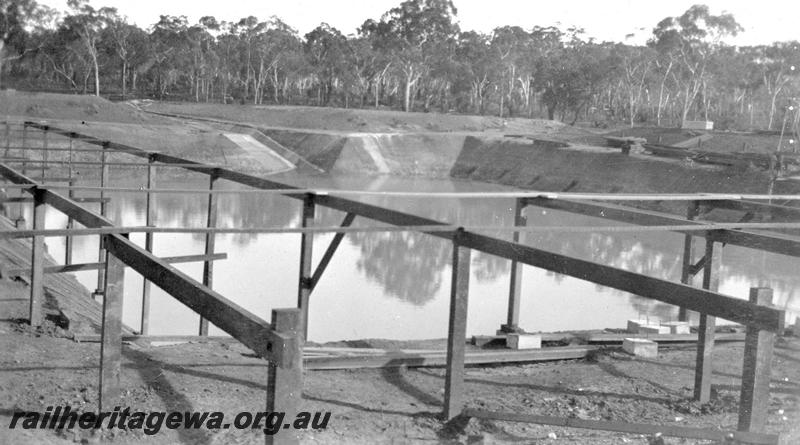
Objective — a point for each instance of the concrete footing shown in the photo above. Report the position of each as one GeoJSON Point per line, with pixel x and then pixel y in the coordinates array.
{"type": "Point", "coordinates": [640, 347]}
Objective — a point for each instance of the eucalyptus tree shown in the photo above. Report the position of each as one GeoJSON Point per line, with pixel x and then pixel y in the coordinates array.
{"type": "Point", "coordinates": [415, 33]}
{"type": "Point", "coordinates": [88, 23]}
{"type": "Point", "coordinates": [477, 66]}
{"type": "Point", "coordinates": [326, 49]}
{"type": "Point", "coordinates": [15, 16]}
{"type": "Point", "coordinates": [688, 42]}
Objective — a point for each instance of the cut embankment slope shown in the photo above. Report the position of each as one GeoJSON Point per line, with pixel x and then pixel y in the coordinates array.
{"type": "Point", "coordinates": [404, 154]}
{"type": "Point", "coordinates": [260, 153]}
{"type": "Point", "coordinates": [530, 165]}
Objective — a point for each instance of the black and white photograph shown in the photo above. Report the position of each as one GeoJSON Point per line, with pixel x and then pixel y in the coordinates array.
{"type": "Point", "coordinates": [460, 222]}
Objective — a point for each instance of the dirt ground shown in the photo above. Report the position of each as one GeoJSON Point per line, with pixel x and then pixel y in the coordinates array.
{"type": "Point", "coordinates": [42, 368]}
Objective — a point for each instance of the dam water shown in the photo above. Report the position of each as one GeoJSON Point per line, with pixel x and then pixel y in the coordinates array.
{"type": "Point", "coordinates": [396, 284]}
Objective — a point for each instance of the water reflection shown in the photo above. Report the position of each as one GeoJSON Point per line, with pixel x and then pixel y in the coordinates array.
{"type": "Point", "coordinates": [400, 280]}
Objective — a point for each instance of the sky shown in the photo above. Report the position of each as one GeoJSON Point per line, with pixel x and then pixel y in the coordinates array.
{"type": "Point", "coordinates": [764, 21]}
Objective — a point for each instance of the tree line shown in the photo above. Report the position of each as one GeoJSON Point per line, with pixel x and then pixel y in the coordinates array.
{"type": "Point", "coordinates": [414, 58]}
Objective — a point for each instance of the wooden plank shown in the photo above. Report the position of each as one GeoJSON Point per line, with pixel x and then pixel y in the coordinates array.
{"type": "Point", "coordinates": [304, 282]}
{"type": "Point", "coordinates": [630, 428]}
{"type": "Point", "coordinates": [330, 251]}
{"type": "Point", "coordinates": [439, 358]}
{"type": "Point", "coordinates": [704, 367]}
{"type": "Point", "coordinates": [758, 348]}
{"type": "Point", "coordinates": [515, 278]}
{"type": "Point", "coordinates": [208, 266]}
{"type": "Point", "coordinates": [699, 300]}
{"type": "Point", "coordinates": [457, 330]}
{"type": "Point", "coordinates": [97, 266]}
{"type": "Point", "coordinates": [611, 338]}
{"type": "Point", "coordinates": [74, 211]}
{"type": "Point", "coordinates": [111, 332]}
{"type": "Point", "coordinates": [37, 264]}
{"type": "Point", "coordinates": [772, 242]}
{"type": "Point", "coordinates": [95, 338]}
{"type": "Point", "coordinates": [774, 212]}
{"type": "Point", "coordinates": [248, 328]}
{"type": "Point", "coordinates": [285, 381]}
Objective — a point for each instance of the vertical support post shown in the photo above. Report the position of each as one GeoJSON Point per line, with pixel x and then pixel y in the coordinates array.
{"type": "Point", "coordinates": [285, 381]}
{"type": "Point", "coordinates": [758, 346]}
{"type": "Point", "coordinates": [101, 251]}
{"type": "Point", "coordinates": [515, 279]}
{"type": "Point", "coordinates": [703, 372]}
{"type": "Point", "coordinates": [208, 265]}
{"type": "Point", "coordinates": [24, 149]}
{"type": "Point", "coordinates": [111, 333]}
{"type": "Point", "coordinates": [37, 261]}
{"type": "Point", "coordinates": [8, 138]}
{"type": "Point", "coordinates": [144, 328]}
{"type": "Point", "coordinates": [45, 152]}
{"type": "Point", "coordinates": [70, 222]}
{"type": "Point", "coordinates": [23, 146]}
{"type": "Point", "coordinates": [688, 256]}
{"type": "Point", "coordinates": [457, 329]}
{"type": "Point", "coordinates": [306, 250]}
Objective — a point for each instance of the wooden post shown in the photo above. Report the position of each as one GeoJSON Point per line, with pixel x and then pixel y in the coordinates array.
{"type": "Point", "coordinates": [148, 245]}
{"type": "Point", "coordinates": [688, 256]}
{"type": "Point", "coordinates": [101, 251]}
{"type": "Point", "coordinates": [285, 381]}
{"type": "Point", "coordinates": [457, 330]}
{"type": "Point", "coordinates": [23, 148]}
{"type": "Point", "coordinates": [515, 287]}
{"type": "Point", "coordinates": [306, 249]}
{"type": "Point", "coordinates": [8, 138]}
{"type": "Point", "coordinates": [111, 333]}
{"type": "Point", "coordinates": [70, 222]}
{"type": "Point", "coordinates": [758, 345]}
{"type": "Point", "coordinates": [703, 372]}
{"type": "Point", "coordinates": [208, 265]}
{"type": "Point", "coordinates": [37, 261]}
{"type": "Point", "coordinates": [45, 153]}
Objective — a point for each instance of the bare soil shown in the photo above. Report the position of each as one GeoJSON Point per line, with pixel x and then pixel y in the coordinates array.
{"type": "Point", "coordinates": [352, 120]}
{"type": "Point", "coordinates": [42, 368]}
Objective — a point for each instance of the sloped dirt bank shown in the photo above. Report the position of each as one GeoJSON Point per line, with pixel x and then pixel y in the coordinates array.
{"type": "Point", "coordinates": [529, 165]}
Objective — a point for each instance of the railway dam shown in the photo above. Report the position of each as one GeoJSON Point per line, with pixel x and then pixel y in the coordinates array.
{"type": "Point", "coordinates": [300, 270]}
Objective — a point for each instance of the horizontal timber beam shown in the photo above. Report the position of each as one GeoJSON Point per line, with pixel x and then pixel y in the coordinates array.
{"type": "Point", "coordinates": [700, 300]}
{"type": "Point", "coordinates": [97, 266]}
{"type": "Point", "coordinates": [245, 326]}
{"type": "Point", "coordinates": [772, 242]}
{"type": "Point", "coordinates": [775, 212]}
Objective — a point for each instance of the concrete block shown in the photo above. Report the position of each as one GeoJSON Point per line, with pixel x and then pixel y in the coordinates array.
{"type": "Point", "coordinates": [633, 325]}
{"type": "Point", "coordinates": [524, 341]}
{"type": "Point", "coordinates": [653, 329]}
{"type": "Point", "coordinates": [697, 125]}
{"type": "Point", "coordinates": [640, 347]}
{"type": "Point", "coordinates": [678, 327]}
{"type": "Point", "coordinates": [646, 327]}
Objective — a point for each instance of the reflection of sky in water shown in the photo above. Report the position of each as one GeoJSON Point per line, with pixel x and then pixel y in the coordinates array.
{"type": "Point", "coordinates": [396, 284]}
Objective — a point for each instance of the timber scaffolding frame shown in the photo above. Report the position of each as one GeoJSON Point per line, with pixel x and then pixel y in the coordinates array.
{"type": "Point", "coordinates": [280, 341]}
